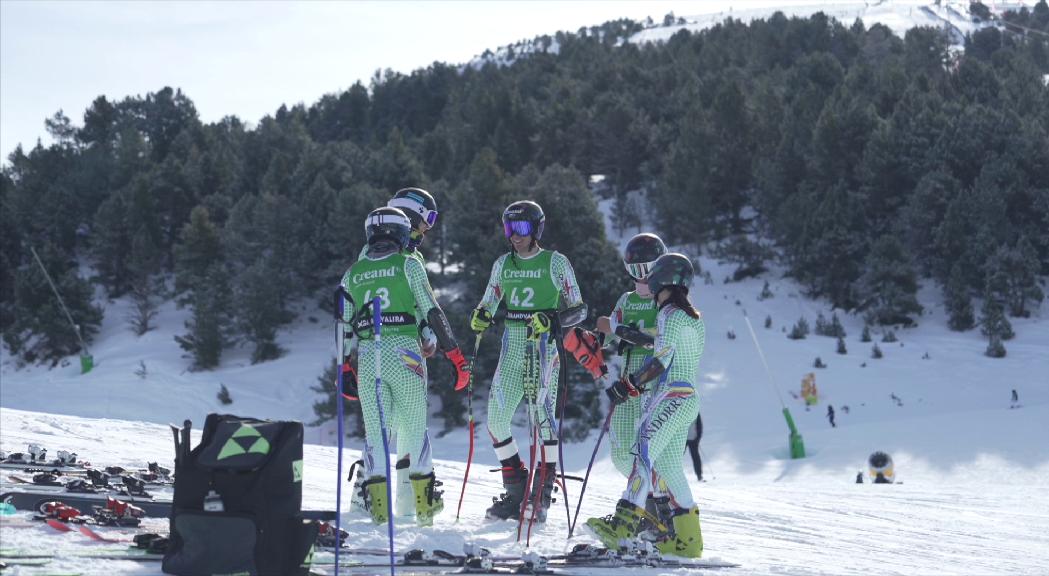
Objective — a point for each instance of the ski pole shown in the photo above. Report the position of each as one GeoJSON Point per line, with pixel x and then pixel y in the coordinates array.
{"type": "Point", "coordinates": [470, 405]}
{"type": "Point", "coordinates": [339, 335]}
{"type": "Point", "coordinates": [586, 478]}
{"type": "Point", "coordinates": [530, 396]}
{"type": "Point", "coordinates": [563, 381]}
{"type": "Point", "coordinates": [604, 430]}
{"type": "Point", "coordinates": [377, 323]}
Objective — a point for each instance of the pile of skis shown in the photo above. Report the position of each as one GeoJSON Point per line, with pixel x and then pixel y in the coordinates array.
{"type": "Point", "coordinates": [475, 560]}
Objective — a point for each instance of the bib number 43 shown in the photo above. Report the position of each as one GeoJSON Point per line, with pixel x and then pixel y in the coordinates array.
{"type": "Point", "coordinates": [382, 294]}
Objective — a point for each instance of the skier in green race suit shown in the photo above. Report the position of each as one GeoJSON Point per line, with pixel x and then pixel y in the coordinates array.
{"type": "Point", "coordinates": [635, 310]}
{"type": "Point", "coordinates": [534, 283]}
{"type": "Point", "coordinates": [399, 283]}
{"type": "Point", "coordinates": [421, 208]}
{"type": "Point", "coordinates": [671, 377]}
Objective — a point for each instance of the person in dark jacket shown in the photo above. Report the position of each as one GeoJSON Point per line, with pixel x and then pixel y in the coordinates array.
{"type": "Point", "coordinates": [695, 434]}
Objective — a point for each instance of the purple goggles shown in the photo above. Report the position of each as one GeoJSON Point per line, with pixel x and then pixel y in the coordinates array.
{"type": "Point", "coordinates": [519, 227]}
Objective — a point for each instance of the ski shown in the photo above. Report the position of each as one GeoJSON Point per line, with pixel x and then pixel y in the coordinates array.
{"type": "Point", "coordinates": [582, 556]}
{"type": "Point", "coordinates": [26, 498]}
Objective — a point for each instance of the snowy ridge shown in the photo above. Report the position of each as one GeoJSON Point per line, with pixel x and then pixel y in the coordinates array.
{"type": "Point", "coordinates": [897, 15]}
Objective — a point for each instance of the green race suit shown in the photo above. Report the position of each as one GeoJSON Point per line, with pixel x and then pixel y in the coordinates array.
{"type": "Point", "coordinates": [637, 312]}
{"type": "Point", "coordinates": [671, 408]}
{"type": "Point", "coordinates": [543, 282]}
{"type": "Point", "coordinates": [399, 282]}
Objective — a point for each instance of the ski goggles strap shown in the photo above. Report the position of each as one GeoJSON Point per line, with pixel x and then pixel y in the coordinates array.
{"type": "Point", "coordinates": [519, 227]}
{"type": "Point", "coordinates": [640, 270]}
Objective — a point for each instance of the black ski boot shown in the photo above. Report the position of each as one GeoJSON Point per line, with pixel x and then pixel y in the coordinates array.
{"type": "Point", "coordinates": [508, 504]}
{"type": "Point", "coordinates": [546, 491]}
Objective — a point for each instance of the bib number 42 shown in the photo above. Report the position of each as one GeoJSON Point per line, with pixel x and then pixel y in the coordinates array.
{"type": "Point", "coordinates": [525, 302]}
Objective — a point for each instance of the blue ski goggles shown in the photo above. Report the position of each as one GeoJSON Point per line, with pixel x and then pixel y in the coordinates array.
{"type": "Point", "coordinates": [519, 227]}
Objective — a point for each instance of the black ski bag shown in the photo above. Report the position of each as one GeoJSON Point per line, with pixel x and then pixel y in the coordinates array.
{"type": "Point", "coordinates": [238, 500]}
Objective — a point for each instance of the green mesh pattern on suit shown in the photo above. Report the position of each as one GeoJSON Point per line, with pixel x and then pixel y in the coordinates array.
{"type": "Point", "coordinates": [509, 383]}
{"type": "Point", "coordinates": [403, 389]}
{"type": "Point", "coordinates": [403, 384]}
{"type": "Point", "coordinates": [671, 410]}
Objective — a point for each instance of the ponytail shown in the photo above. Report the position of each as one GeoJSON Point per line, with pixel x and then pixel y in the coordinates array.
{"type": "Point", "coordinates": [679, 298]}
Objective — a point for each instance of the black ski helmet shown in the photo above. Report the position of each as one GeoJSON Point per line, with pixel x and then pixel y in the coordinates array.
{"type": "Point", "coordinates": [671, 269]}
{"type": "Point", "coordinates": [388, 223]}
{"type": "Point", "coordinates": [524, 211]}
{"type": "Point", "coordinates": [418, 204]}
{"type": "Point", "coordinates": [641, 252]}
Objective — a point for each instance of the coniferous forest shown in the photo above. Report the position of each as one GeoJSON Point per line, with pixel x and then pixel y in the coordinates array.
{"type": "Point", "coordinates": [861, 161]}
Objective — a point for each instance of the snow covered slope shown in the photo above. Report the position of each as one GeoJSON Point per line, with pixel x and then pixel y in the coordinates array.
{"type": "Point", "coordinates": [974, 471]}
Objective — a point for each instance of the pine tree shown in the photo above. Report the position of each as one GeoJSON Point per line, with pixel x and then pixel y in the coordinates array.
{"type": "Point", "coordinates": [768, 321]}
{"type": "Point", "coordinates": [841, 346]}
{"type": "Point", "coordinates": [958, 302]}
{"type": "Point", "coordinates": [995, 348]}
{"type": "Point", "coordinates": [224, 396]}
{"type": "Point", "coordinates": [993, 321]}
{"type": "Point", "coordinates": [866, 336]}
{"type": "Point", "coordinates": [40, 330]}
{"type": "Point", "coordinates": [209, 327]}
{"type": "Point", "coordinates": [800, 329]}
{"type": "Point", "coordinates": [260, 311]}
{"type": "Point", "coordinates": [887, 289]}
{"type": "Point", "coordinates": [198, 252]}
{"type": "Point", "coordinates": [876, 352]}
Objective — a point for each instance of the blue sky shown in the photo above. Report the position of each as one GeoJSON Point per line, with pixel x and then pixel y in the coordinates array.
{"type": "Point", "coordinates": [247, 58]}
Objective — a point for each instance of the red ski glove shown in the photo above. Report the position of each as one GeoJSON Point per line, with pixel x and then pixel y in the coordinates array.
{"type": "Point", "coordinates": [462, 367]}
{"type": "Point", "coordinates": [584, 346]}
{"type": "Point", "coordinates": [349, 383]}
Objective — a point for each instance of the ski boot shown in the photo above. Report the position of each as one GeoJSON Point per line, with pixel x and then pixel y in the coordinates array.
{"type": "Point", "coordinates": [358, 496]}
{"type": "Point", "coordinates": [46, 479]}
{"type": "Point", "coordinates": [542, 495]}
{"type": "Point", "coordinates": [404, 504]}
{"type": "Point", "coordinates": [326, 535]}
{"type": "Point", "coordinates": [687, 539]}
{"type": "Point", "coordinates": [508, 504]}
{"type": "Point", "coordinates": [81, 486]}
{"type": "Point", "coordinates": [375, 498]}
{"type": "Point", "coordinates": [624, 525]}
{"type": "Point", "coordinates": [428, 501]}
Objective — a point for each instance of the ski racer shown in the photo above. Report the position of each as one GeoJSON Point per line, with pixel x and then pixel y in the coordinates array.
{"type": "Point", "coordinates": [387, 272]}
{"type": "Point", "coordinates": [670, 377]}
{"type": "Point", "coordinates": [534, 283]}
{"type": "Point", "coordinates": [633, 313]}
{"type": "Point", "coordinates": [421, 208]}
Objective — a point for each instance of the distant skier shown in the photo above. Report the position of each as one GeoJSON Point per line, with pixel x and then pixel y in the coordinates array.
{"type": "Point", "coordinates": [695, 434]}
{"type": "Point", "coordinates": [1016, 399]}
{"type": "Point", "coordinates": [830, 416]}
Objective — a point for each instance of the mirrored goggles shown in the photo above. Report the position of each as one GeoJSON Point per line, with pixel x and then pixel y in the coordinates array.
{"type": "Point", "coordinates": [640, 270]}
{"type": "Point", "coordinates": [519, 227]}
